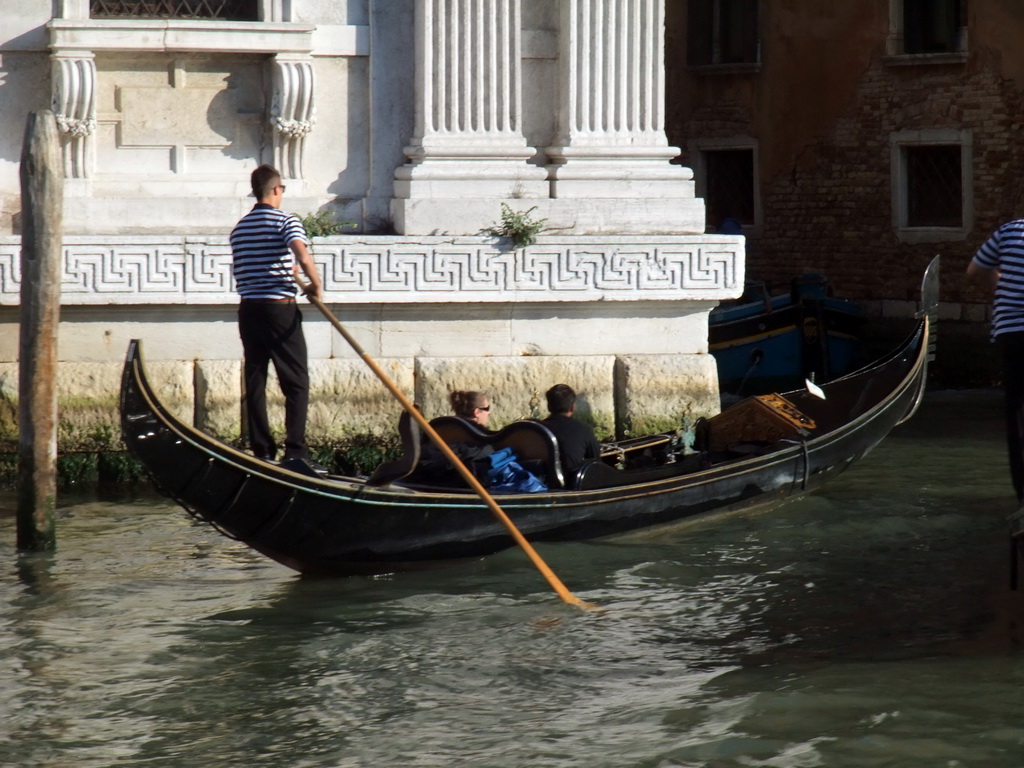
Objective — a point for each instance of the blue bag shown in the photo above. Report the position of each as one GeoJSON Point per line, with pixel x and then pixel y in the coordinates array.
{"type": "Point", "coordinates": [508, 476]}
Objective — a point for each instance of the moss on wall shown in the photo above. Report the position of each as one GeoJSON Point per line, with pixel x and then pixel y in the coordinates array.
{"type": "Point", "coordinates": [107, 463]}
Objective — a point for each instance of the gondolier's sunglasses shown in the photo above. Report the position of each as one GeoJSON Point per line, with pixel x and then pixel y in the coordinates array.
{"type": "Point", "coordinates": [482, 408]}
{"type": "Point", "coordinates": [281, 187]}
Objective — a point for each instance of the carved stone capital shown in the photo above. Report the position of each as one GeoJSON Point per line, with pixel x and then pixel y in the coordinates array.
{"type": "Point", "coordinates": [74, 106]}
{"type": "Point", "coordinates": [292, 111]}
{"type": "Point", "coordinates": [74, 88]}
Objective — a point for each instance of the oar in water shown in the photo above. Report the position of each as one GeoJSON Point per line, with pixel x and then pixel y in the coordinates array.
{"type": "Point", "coordinates": [449, 454]}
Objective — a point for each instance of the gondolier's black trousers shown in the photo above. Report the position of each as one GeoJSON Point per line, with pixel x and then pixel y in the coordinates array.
{"type": "Point", "coordinates": [272, 331]}
{"type": "Point", "coordinates": [1012, 348]}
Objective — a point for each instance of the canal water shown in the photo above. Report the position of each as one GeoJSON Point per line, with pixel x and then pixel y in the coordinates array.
{"type": "Point", "coordinates": [868, 625]}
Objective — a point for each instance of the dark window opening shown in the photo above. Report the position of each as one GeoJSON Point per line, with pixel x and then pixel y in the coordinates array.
{"type": "Point", "coordinates": [934, 186]}
{"type": "Point", "coordinates": [933, 26]}
{"type": "Point", "coordinates": [722, 32]}
{"type": "Point", "coordinates": [221, 10]}
{"type": "Point", "coordinates": [729, 187]}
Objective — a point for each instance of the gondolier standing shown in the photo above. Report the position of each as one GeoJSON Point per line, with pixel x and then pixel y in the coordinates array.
{"type": "Point", "coordinates": [267, 248]}
{"type": "Point", "coordinates": [999, 264]}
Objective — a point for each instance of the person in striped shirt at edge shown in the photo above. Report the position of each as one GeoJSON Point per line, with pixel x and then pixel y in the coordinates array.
{"type": "Point", "coordinates": [267, 248]}
{"type": "Point", "coordinates": [999, 264]}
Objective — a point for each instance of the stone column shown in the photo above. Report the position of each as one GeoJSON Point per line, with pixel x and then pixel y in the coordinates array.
{"type": "Point", "coordinates": [72, 9]}
{"type": "Point", "coordinates": [468, 144]}
{"type": "Point", "coordinates": [392, 94]}
{"type": "Point", "coordinates": [275, 10]}
{"type": "Point", "coordinates": [74, 106]}
{"type": "Point", "coordinates": [292, 112]}
{"type": "Point", "coordinates": [611, 123]}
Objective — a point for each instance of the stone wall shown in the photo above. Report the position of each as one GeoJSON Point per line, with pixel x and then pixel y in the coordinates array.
{"type": "Point", "coordinates": [163, 119]}
{"type": "Point", "coordinates": [619, 396]}
{"type": "Point", "coordinates": [622, 320]}
{"type": "Point", "coordinates": [396, 116]}
{"type": "Point", "coordinates": [423, 117]}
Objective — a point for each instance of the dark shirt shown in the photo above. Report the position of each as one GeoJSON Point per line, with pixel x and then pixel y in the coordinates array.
{"type": "Point", "coordinates": [576, 441]}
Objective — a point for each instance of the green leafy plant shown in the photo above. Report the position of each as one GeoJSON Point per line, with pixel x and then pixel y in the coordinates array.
{"type": "Point", "coordinates": [357, 454]}
{"type": "Point", "coordinates": [518, 226]}
{"type": "Point", "coordinates": [119, 468]}
{"type": "Point", "coordinates": [8, 470]}
{"type": "Point", "coordinates": [76, 468]}
{"type": "Point", "coordinates": [322, 224]}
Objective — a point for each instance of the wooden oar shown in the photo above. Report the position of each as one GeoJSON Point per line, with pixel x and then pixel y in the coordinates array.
{"type": "Point", "coordinates": [449, 454]}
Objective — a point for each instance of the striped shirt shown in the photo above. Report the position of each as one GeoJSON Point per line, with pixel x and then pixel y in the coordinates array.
{"type": "Point", "coordinates": [1004, 251]}
{"type": "Point", "coordinates": [262, 262]}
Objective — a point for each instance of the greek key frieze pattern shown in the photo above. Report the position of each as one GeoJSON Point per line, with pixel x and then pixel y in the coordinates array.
{"type": "Point", "coordinates": [10, 272]}
{"type": "Point", "coordinates": [196, 271]}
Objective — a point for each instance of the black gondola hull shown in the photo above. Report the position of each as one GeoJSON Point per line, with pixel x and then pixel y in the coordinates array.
{"type": "Point", "coordinates": [334, 525]}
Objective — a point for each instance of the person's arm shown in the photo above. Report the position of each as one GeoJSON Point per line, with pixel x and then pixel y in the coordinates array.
{"type": "Point", "coordinates": [304, 259]}
{"type": "Point", "coordinates": [984, 267]}
{"type": "Point", "coordinates": [984, 275]}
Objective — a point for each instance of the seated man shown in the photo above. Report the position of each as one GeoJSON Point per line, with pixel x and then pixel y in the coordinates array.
{"type": "Point", "coordinates": [576, 440]}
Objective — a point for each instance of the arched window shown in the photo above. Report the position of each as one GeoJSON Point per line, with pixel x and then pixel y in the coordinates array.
{"type": "Point", "coordinates": [221, 10]}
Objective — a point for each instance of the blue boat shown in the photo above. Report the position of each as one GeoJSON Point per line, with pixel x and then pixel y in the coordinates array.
{"type": "Point", "coordinates": [764, 343]}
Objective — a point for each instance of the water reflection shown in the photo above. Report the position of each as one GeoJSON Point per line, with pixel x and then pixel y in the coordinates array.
{"type": "Point", "coordinates": [867, 625]}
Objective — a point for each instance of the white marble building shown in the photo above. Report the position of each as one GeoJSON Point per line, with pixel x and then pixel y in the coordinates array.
{"type": "Point", "coordinates": [415, 120]}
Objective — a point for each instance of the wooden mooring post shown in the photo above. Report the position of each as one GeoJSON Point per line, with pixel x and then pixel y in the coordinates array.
{"type": "Point", "coordinates": [42, 206]}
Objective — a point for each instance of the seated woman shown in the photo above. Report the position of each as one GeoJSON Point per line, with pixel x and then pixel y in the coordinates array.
{"type": "Point", "coordinates": [472, 406]}
{"type": "Point", "coordinates": [474, 444]}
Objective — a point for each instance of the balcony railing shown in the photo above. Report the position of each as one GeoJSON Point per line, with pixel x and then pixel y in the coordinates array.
{"type": "Point", "coordinates": [222, 10]}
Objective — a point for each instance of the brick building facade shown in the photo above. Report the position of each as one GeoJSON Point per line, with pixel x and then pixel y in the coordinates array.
{"type": "Point", "coordinates": [877, 134]}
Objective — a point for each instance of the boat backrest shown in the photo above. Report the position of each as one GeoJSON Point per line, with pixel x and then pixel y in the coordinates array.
{"type": "Point", "coordinates": [390, 471]}
{"type": "Point", "coordinates": [535, 445]}
{"type": "Point", "coordinates": [455, 429]}
{"type": "Point", "coordinates": [537, 448]}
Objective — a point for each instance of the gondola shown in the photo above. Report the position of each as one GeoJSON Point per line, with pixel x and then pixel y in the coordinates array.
{"type": "Point", "coordinates": [326, 524]}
